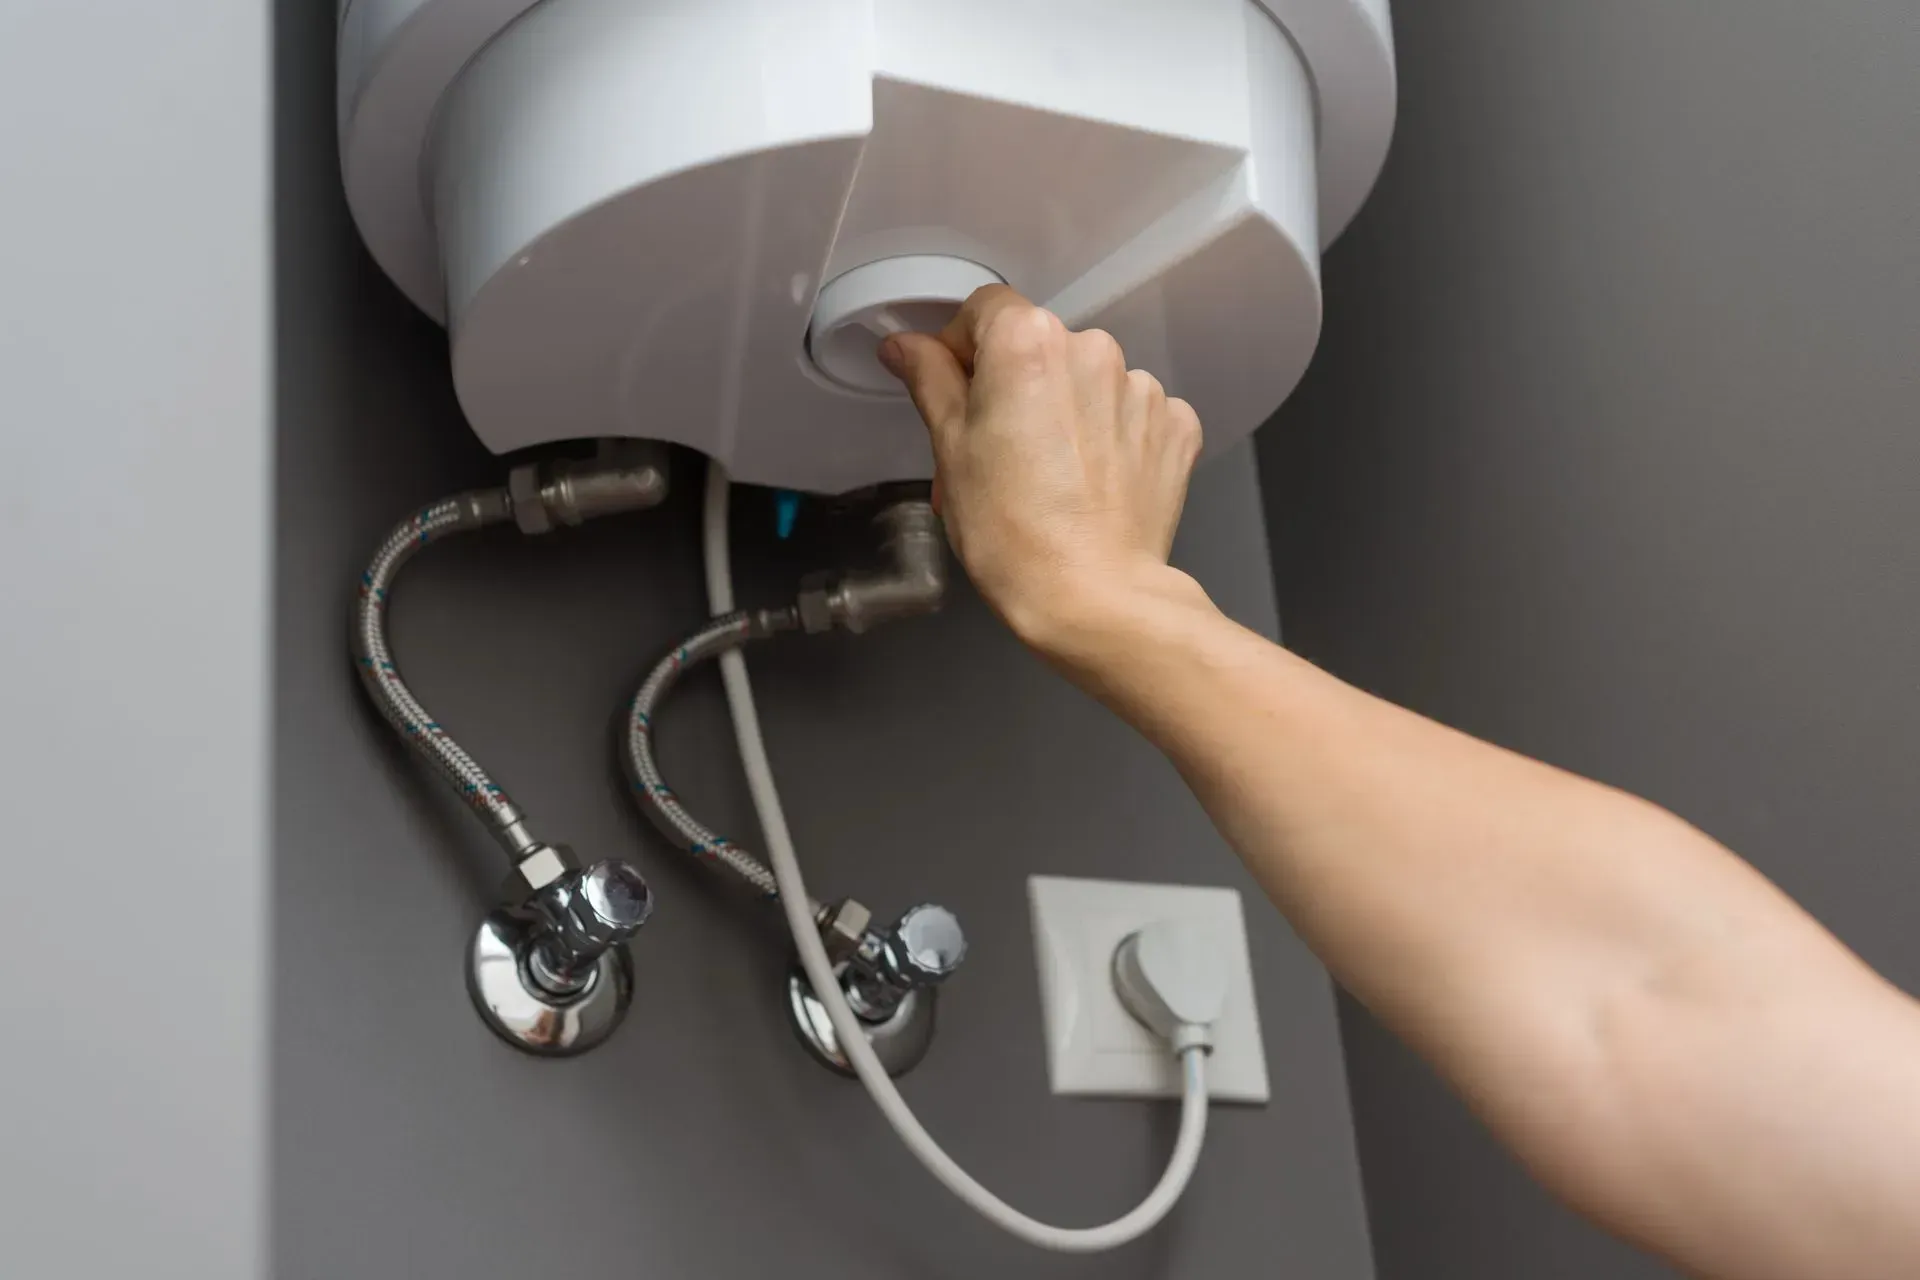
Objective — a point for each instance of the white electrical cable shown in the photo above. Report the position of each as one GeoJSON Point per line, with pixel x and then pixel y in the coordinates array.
{"type": "Point", "coordinates": [846, 1025]}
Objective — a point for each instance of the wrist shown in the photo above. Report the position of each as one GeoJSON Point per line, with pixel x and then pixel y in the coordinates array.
{"type": "Point", "coordinates": [1091, 618]}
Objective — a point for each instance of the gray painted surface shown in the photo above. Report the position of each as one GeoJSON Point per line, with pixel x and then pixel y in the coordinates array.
{"type": "Point", "coordinates": [134, 376]}
{"type": "Point", "coordinates": [929, 761]}
{"type": "Point", "coordinates": [1610, 455]}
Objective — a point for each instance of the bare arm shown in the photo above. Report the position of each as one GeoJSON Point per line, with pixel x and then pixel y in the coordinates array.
{"type": "Point", "coordinates": [1665, 1039]}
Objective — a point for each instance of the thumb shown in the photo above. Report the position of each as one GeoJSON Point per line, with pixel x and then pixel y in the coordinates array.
{"type": "Point", "coordinates": [933, 378]}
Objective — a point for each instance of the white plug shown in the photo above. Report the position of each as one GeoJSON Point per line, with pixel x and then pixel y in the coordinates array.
{"type": "Point", "coordinates": [1172, 976]}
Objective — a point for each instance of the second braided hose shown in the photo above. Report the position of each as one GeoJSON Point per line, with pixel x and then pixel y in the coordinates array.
{"type": "Point", "coordinates": [657, 800]}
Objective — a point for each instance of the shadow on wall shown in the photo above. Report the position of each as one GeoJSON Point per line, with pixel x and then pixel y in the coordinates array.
{"type": "Point", "coordinates": [1608, 457]}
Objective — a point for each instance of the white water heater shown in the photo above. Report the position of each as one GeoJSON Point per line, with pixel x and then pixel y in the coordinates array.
{"type": "Point", "coordinates": [692, 220]}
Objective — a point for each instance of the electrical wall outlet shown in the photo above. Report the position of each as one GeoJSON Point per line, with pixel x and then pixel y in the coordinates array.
{"type": "Point", "coordinates": [1095, 1048]}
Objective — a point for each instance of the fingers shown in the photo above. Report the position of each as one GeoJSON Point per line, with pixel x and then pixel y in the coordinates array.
{"type": "Point", "coordinates": [963, 333]}
{"type": "Point", "coordinates": [1101, 382]}
{"type": "Point", "coordinates": [1146, 399]}
{"type": "Point", "coordinates": [933, 377]}
{"type": "Point", "coordinates": [1023, 341]}
{"type": "Point", "coordinates": [1146, 388]}
{"type": "Point", "coordinates": [1188, 436]}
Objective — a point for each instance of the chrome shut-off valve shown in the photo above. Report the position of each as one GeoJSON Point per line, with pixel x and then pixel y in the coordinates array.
{"type": "Point", "coordinates": [549, 969]}
{"type": "Point", "coordinates": [890, 977]}
{"type": "Point", "coordinates": [921, 951]}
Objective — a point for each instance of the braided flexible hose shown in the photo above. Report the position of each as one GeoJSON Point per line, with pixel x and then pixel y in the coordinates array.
{"type": "Point", "coordinates": [373, 656]}
{"type": "Point", "coordinates": [657, 799]}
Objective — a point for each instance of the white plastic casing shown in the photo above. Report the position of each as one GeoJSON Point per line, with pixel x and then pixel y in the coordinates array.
{"type": "Point", "coordinates": [627, 212]}
{"type": "Point", "coordinates": [856, 310]}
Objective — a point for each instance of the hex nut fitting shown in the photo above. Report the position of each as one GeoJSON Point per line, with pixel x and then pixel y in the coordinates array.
{"type": "Point", "coordinates": [529, 508]}
{"type": "Point", "coordinates": [571, 491]}
{"type": "Point", "coordinates": [843, 926]}
{"type": "Point", "coordinates": [816, 605]}
{"type": "Point", "coordinates": [538, 868]}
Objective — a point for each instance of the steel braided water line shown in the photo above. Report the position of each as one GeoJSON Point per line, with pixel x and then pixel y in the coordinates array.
{"type": "Point", "coordinates": [657, 800]}
{"type": "Point", "coordinates": [373, 657]}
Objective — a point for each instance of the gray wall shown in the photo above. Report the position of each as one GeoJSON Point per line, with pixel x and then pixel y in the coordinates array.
{"type": "Point", "coordinates": [1612, 455]}
{"type": "Point", "coordinates": [928, 761]}
{"type": "Point", "coordinates": [133, 437]}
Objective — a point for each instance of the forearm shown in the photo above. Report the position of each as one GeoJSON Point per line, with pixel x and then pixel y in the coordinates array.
{"type": "Point", "coordinates": [1617, 995]}
{"type": "Point", "coordinates": [1396, 846]}
{"type": "Point", "coordinates": [1669, 1042]}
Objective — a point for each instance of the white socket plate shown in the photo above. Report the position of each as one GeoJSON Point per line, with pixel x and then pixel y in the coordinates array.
{"type": "Point", "coordinates": [1094, 1046]}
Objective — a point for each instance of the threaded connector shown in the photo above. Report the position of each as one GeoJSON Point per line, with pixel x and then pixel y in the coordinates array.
{"type": "Point", "coordinates": [624, 476]}
{"type": "Point", "coordinates": [913, 584]}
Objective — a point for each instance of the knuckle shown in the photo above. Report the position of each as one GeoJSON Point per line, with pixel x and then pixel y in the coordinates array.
{"type": "Point", "coordinates": [1186, 425]}
{"type": "Point", "coordinates": [1022, 331]}
{"type": "Point", "coordinates": [1145, 386]}
{"type": "Point", "coordinates": [1100, 348]}
{"type": "Point", "coordinates": [986, 293]}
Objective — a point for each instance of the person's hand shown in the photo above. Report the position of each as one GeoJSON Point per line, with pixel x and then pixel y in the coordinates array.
{"type": "Point", "coordinates": [1060, 474]}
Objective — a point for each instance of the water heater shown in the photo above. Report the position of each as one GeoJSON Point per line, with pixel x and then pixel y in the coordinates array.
{"type": "Point", "coordinates": [693, 220]}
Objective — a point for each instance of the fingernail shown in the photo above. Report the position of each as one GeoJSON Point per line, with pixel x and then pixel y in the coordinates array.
{"type": "Point", "coordinates": [893, 356]}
